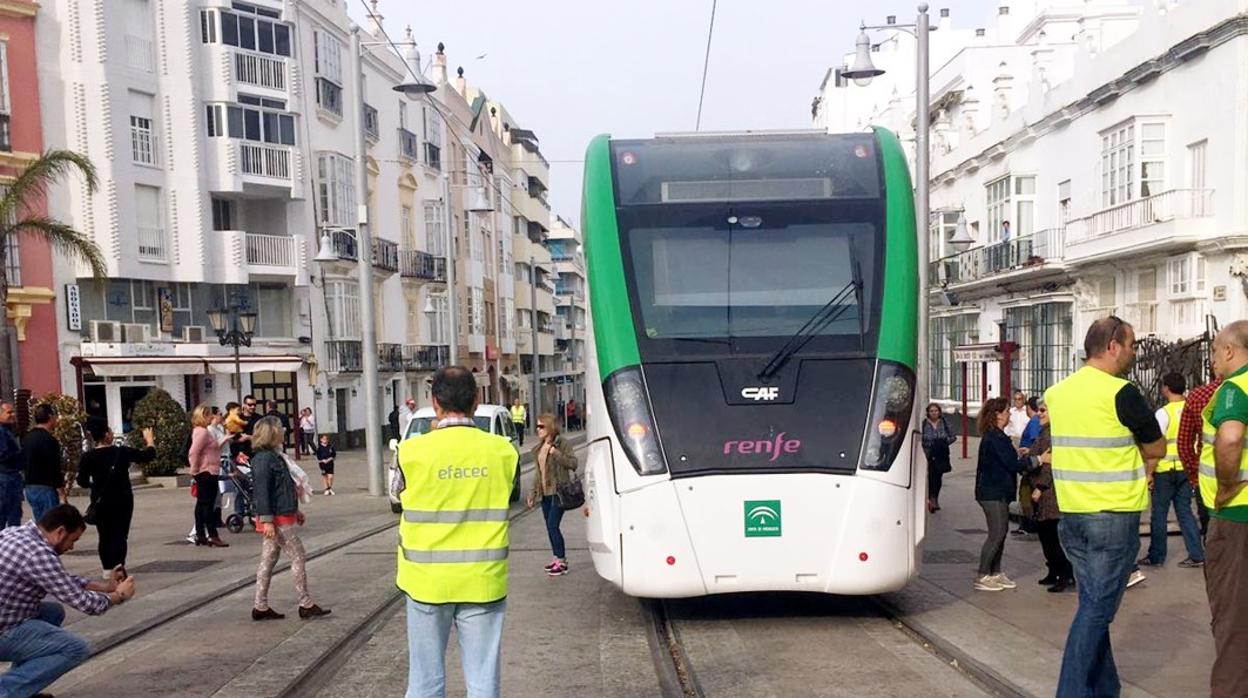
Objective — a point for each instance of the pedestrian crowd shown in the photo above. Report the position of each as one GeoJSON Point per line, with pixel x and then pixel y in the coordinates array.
{"type": "Point", "coordinates": [1085, 460]}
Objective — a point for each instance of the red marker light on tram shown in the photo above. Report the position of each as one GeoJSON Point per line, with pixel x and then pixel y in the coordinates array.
{"type": "Point", "coordinates": [671, 560]}
{"type": "Point", "coordinates": [862, 557]}
{"type": "Point", "coordinates": [887, 428]}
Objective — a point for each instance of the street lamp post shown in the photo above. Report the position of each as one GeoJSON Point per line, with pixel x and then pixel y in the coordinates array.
{"type": "Point", "coordinates": [242, 327]}
{"type": "Point", "coordinates": [537, 356]}
{"type": "Point", "coordinates": [861, 73]}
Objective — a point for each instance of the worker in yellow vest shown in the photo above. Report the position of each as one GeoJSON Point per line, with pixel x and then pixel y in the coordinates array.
{"type": "Point", "coordinates": [1224, 487]}
{"type": "Point", "coordinates": [1170, 484]}
{"type": "Point", "coordinates": [454, 484]}
{"type": "Point", "coordinates": [1105, 441]}
{"type": "Point", "coordinates": [519, 416]}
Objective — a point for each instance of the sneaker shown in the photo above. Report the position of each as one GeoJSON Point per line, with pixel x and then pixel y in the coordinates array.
{"type": "Point", "coordinates": [192, 539]}
{"type": "Point", "coordinates": [1004, 581]}
{"type": "Point", "coordinates": [555, 562]}
{"type": "Point", "coordinates": [558, 570]}
{"type": "Point", "coordinates": [1135, 578]}
{"type": "Point", "coordinates": [987, 583]}
{"type": "Point", "coordinates": [1148, 562]}
{"type": "Point", "coordinates": [1189, 563]}
{"type": "Point", "coordinates": [331, 492]}
{"type": "Point", "coordinates": [325, 493]}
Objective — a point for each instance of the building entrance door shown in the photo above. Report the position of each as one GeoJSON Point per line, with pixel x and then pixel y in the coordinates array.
{"type": "Point", "coordinates": [278, 386]}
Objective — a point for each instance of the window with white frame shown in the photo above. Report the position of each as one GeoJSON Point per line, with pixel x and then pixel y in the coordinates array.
{"type": "Point", "coordinates": [6, 134]}
{"type": "Point", "coordinates": [142, 133]}
{"type": "Point", "coordinates": [342, 299]}
{"type": "Point", "coordinates": [1063, 202]}
{"type": "Point", "coordinates": [1106, 295]}
{"type": "Point", "coordinates": [327, 61]}
{"type": "Point", "coordinates": [1152, 159]}
{"type": "Point", "coordinates": [256, 119]}
{"type": "Point", "coordinates": [1141, 309]}
{"type": "Point", "coordinates": [1117, 164]}
{"type": "Point", "coordinates": [12, 261]}
{"type": "Point", "coordinates": [273, 305]}
{"type": "Point", "coordinates": [432, 138]}
{"type": "Point", "coordinates": [246, 27]}
{"type": "Point", "coordinates": [439, 320]}
{"type": "Point", "coordinates": [509, 318]}
{"type": "Point", "coordinates": [1197, 158]}
{"type": "Point", "coordinates": [998, 207]}
{"type": "Point", "coordinates": [476, 309]}
{"type": "Point", "coordinates": [406, 229]}
{"type": "Point", "coordinates": [435, 232]}
{"type": "Point", "coordinates": [1186, 275]}
{"type": "Point", "coordinates": [137, 15]}
{"type": "Point", "coordinates": [1024, 221]}
{"type": "Point", "coordinates": [336, 189]}
{"type": "Point", "coordinates": [941, 228]}
{"type": "Point", "coordinates": [148, 221]}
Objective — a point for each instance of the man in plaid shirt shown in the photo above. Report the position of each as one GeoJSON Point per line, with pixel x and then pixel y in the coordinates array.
{"type": "Point", "coordinates": [1189, 442]}
{"type": "Point", "coordinates": [30, 633]}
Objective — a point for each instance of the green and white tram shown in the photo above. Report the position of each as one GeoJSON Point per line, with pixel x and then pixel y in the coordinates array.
{"type": "Point", "coordinates": [753, 318]}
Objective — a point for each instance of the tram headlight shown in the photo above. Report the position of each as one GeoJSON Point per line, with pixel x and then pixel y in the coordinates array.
{"type": "Point", "coordinates": [889, 416]}
{"type": "Point", "coordinates": [628, 405]}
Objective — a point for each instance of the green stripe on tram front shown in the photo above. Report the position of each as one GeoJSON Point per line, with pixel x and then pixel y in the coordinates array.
{"type": "Point", "coordinates": [615, 339]}
{"type": "Point", "coordinates": [899, 317]}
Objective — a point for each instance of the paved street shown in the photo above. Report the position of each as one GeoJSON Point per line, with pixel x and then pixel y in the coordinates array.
{"type": "Point", "coordinates": [576, 635]}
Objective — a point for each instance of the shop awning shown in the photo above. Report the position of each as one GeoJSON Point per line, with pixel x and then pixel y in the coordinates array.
{"type": "Point", "coordinates": [186, 365]}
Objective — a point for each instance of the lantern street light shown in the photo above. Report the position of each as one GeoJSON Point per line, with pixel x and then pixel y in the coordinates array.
{"type": "Point", "coordinates": [242, 328]}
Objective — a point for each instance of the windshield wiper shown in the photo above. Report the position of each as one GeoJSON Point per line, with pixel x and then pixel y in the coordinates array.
{"type": "Point", "coordinates": [829, 313]}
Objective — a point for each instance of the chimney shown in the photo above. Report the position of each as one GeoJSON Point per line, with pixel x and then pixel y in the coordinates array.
{"type": "Point", "coordinates": [944, 21]}
{"type": "Point", "coordinates": [439, 65]}
{"type": "Point", "coordinates": [375, 21]}
{"type": "Point", "coordinates": [461, 85]}
{"type": "Point", "coordinates": [1002, 86]}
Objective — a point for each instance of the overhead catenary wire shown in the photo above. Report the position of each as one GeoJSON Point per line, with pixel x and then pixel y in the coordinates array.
{"type": "Point", "coordinates": [706, 64]}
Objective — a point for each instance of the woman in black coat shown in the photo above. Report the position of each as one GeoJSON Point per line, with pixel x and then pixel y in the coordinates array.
{"type": "Point", "coordinates": [937, 437]}
{"type": "Point", "coordinates": [996, 483]}
{"type": "Point", "coordinates": [105, 470]}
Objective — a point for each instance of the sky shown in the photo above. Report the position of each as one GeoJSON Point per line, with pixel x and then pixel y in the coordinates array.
{"type": "Point", "coordinates": [571, 69]}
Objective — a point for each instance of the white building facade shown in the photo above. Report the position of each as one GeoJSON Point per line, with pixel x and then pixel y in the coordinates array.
{"type": "Point", "coordinates": [1091, 151]}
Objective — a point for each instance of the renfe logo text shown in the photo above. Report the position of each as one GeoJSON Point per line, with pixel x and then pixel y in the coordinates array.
{"type": "Point", "coordinates": [775, 447]}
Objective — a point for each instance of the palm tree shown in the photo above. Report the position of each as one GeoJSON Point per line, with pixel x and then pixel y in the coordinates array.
{"type": "Point", "coordinates": [17, 217]}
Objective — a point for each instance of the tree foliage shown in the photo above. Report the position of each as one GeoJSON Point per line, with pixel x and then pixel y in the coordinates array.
{"type": "Point", "coordinates": [171, 425]}
{"type": "Point", "coordinates": [69, 428]}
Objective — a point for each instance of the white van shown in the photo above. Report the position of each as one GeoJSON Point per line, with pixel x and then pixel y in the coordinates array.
{"type": "Point", "coordinates": [494, 419]}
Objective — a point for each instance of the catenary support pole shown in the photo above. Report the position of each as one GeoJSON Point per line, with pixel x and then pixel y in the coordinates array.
{"type": "Point", "coordinates": [922, 187]}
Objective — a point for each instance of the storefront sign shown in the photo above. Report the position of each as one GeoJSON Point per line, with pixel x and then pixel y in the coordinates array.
{"type": "Point", "coordinates": [73, 308]}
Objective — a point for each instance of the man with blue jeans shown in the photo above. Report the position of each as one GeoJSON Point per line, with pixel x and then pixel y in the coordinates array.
{"type": "Point", "coordinates": [31, 638]}
{"type": "Point", "coordinates": [42, 452]}
{"type": "Point", "coordinates": [1106, 444]}
{"type": "Point", "coordinates": [454, 484]}
{"type": "Point", "coordinates": [10, 469]}
{"type": "Point", "coordinates": [1170, 484]}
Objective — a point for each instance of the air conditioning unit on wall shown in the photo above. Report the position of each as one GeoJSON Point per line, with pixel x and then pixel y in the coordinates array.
{"type": "Point", "coordinates": [193, 333]}
{"type": "Point", "coordinates": [105, 331]}
{"type": "Point", "coordinates": [133, 332]}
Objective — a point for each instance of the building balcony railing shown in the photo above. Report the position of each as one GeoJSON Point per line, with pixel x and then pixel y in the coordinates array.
{"type": "Point", "coordinates": [344, 356]}
{"type": "Point", "coordinates": [1175, 204]}
{"type": "Point", "coordinates": [152, 246]}
{"type": "Point", "coordinates": [415, 264]}
{"type": "Point", "coordinates": [264, 160]}
{"type": "Point", "coordinates": [385, 254]}
{"type": "Point", "coordinates": [345, 245]}
{"type": "Point", "coordinates": [389, 357]}
{"type": "Point", "coordinates": [265, 250]}
{"type": "Point", "coordinates": [260, 70]}
{"type": "Point", "coordinates": [425, 357]}
{"type": "Point", "coordinates": [977, 263]}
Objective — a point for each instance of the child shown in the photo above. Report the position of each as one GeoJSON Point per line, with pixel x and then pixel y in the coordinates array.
{"type": "Point", "coordinates": [325, 458]}
{"type": "Point", "coordinates": [234, 422]}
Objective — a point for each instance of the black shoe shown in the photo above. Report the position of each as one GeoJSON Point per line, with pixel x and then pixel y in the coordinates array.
{"type": "Point", "coordinates": [1050, 580]}
{"type": "Point", "coordinates": [1190, 563]}
{"type": "Point", "coordinates": [1062, 585]}
{"type": "Point", "coordinates": [1020, 531]}
{"type": "Point", "coordinates": [1148, 562]}
{"type": "Point", "coordinates": [267, 614]}
{"type": "Point", "coordinates": [313, 611]}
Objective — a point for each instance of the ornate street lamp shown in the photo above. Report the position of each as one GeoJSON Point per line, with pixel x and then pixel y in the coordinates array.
{"type": "Point", "coordinates": [242, 328]}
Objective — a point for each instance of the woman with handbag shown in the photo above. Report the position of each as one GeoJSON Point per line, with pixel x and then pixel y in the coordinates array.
{"type": "Point", "coordinates": [105, 470]}
{"type": "Point", "coordinates": [278, 520]}
{"type": "Point", "coordinates": [556, 464]}
{"type": "Point", "coordinates": [937, 437]}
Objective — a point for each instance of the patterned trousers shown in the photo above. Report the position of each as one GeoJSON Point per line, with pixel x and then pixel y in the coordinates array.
{"type": "Point", "coordinates": [287, 539]}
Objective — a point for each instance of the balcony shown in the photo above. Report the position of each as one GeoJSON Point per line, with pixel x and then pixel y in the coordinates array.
{"type": "Point", "coordinates": [344, 356]}
{"type": "Point", "coordinates": [260, 70]}
{"type": "Point", "coordinates": [1172, 219]}
{"type": "Point", "coordinates": [246, 256]}
{"type": "Point", "coordinates": [152, 244]}
{"type": "Point", "coordinates": [389, 357]}
{"type": "Point", "coordinates": [415, 264]}
{"type": "Point", "coordinates": [269, 161]}
{"type": "Point", "coordinates": [425, 357]}
{"type": "Point", "coordinates": [385, 255]}
{"type": "Point", "coordinates": [345, 245]}
{"type": "Point", "coordinates": [1034, 258]}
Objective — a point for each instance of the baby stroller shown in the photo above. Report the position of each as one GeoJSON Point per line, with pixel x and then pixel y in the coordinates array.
{"type": "Point", "coordinates": [244, 486]}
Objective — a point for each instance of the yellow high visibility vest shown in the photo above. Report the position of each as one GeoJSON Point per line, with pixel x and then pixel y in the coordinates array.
{"type": "Point", "coordinates": [453, 537]}
{"type": "Point", "coordinates": [1208, 472]}
{"type": "Point", "coordinates": [1174, 410]}
{"type": "Point", "coordinates": [518, 414]}
{"type": "Point", "coordinates": [1096, 463]}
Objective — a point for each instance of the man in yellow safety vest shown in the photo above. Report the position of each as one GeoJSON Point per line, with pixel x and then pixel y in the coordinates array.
{"type": "Point", "coordinates": [1105, 444]}
{"type": "Point", "coordinates": [519, 416]}
{"type": "Point", "coordinates": [1224, 488]}
{"type": "Point", "coordinates": [455, 486]}
{"type": "Point", "coordinates": [1170, 484]}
